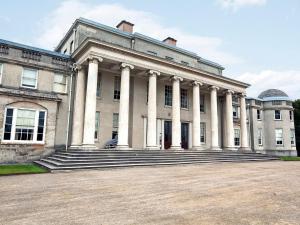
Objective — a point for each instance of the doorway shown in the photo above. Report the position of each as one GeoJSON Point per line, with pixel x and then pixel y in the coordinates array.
{"type": "Point", "coordinates": [167, 134]}
{"type": "Point", "coordinates": [184, 135]}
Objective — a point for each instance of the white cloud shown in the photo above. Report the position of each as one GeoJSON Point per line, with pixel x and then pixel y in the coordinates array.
{"type": "Point", "coordinates": [287, 81]}
{"type": "Point", "coordinates": [237, 4]}
{"type": "Point", "coordinates": [53, 27]}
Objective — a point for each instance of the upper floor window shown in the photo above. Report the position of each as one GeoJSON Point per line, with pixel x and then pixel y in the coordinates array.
{"type": "Point", "coordinates": [168, 95]}
{"type": "Point", "coordinates": [257, 102]}
{"type": "Point", "coordinates": [276, 102]}
{"type": "Point", "coordinates": [152, 53]}
{"type": "Point", "coordinates": [202, 132]}
{"type": "Point", "coordinates": [292, 137]}
{"type": "Point", "coordinates": [277, 114]}
{"type": "Point", "coordinates": [235, 111]}
{"type": "Point", "coordinates": [258, 114]}
{"type": "Point", "coordinates": [235, 99]}
{"type": "Point", "coordinates": [202, 103]}
{"type": "Point", "coordinates": [31, 55]}
{"type": "Point", "coordinates": [71, 47]}
{"type": "Point", "coordinates": [115, 120]}
{"type": "Point", "coordinates": [98, 91]}
{"type": "Point", "coordinates": [291, 115]}
{"type": "Point", "coordinates": [1, 72]}
{"type": "Point", "coordinates": [184, 63]}
{"type": "Point", "coordinates": [24, 125]}
{"type": "Point", "coordinates": [117, 87]}
{"type": "Point", "coordinates": [65, 51]}
{"type": "Point", "coordinates": [29, 78]}
{"type": "Point", "coordinates": [97, 125]}
{"type": "Point", "coordinates": [259, 136]}
{"type": "Point", "coordinates": [184, 98]}
{"type": "Point", "coordinates": [237, 137]}
{"type": "Point", "coordinates": [279, 136]}
{"type": "Point", "coordinates": [4, 49]}
{"type": "Point", "coordinates": [60, 83]}
{"type": "Point", "coordinates": [169, 58]}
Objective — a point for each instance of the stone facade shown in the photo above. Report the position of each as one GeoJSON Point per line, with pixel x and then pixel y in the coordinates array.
{"type": "Point", "coordinates": [151, 94]}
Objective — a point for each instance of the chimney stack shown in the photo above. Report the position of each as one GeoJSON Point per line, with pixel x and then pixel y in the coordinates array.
{"type": "Point", "coordinates": [170, 41]}
{"type": "Point", "coordinates": [125, 26]}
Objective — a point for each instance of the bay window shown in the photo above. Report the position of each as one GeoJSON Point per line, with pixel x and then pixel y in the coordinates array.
{"type": "Point", "coordinates": [24, 125]}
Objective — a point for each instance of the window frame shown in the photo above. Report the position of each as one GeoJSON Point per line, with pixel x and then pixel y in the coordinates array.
{"type": "Point", "coordinates": [99, 85]}
{"type": "Point", "coordinates": [276, 141]}
{"type": "Point", "coordinates": [117, 92]}
{"type": "Point", "coordinates": [36, 79]}
{"type": "Point", "coordinates": [291, 114]}
{"type": "Point", "coordinates": [167, 98]}
{"type": "Point", "coordinates": [259, 115]}
{"type": "Point", "coordinates": [235, 111]}
{"type": "Point", "coordinates": [239, 138]}
{"type": "Point", "coordinates": [279, 114]}
{"type": "Point", "coordinates": [116, 126]}
{"type": "Point", "coordinates": [203, 126]}
{"type": "Point", "coordinates": [202, 106]}
{"type": "Point", "coordinates": [13, 126]}
{"type": "Point", "coordinates": [184, 91]}
{"type": "Point", "coordinates": [97, 126]}
{"type": "Point", "coordinates": [66, 85]}
{"type": "Point", "coordinates": [260, 136]}
{"type": "Point", "coordinates": [293, 137]}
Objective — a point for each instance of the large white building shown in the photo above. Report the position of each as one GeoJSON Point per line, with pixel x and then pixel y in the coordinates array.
{"type": "Point", "coordinates": [150, 93]}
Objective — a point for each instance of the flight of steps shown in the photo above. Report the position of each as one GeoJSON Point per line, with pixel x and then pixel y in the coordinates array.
{"type": "Point", "coordinates": [83, 159]}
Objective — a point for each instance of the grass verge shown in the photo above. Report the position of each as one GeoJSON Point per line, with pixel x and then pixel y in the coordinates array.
{"type": "Point", "coordinates": [290, 158]}
{"type": "Point", "coordinates": [21, 169]}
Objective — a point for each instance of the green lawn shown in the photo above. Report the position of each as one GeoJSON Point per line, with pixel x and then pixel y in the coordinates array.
{"type": "Point", "coordinates": [290, 158]}
{"type": "Point", "coordinates": [21, 169]}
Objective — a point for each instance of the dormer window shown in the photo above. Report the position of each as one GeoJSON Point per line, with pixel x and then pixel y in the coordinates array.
{"type": "Point", "coordinates": [169, 58]}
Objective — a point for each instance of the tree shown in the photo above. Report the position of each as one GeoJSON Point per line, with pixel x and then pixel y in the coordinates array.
{"type": "Point", "coordinates": [296, 105]}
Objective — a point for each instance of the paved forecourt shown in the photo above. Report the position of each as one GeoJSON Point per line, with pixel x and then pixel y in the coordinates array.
{"type": "Point", "coordinates": [225, 193]}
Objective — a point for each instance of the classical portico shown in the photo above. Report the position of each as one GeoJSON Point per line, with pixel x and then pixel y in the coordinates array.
{"type": "Point", "coordinates": [96, 62]}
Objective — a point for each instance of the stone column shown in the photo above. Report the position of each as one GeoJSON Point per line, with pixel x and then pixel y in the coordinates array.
{"type": "Point", "coordinates": [229, 134]}
{"type": "Point", "coordinates": [78, 112]}
{"type": "Point", "coordinates": [90, 103]}
{"type": "Point", "coordinates": [214, 119]}
{"type": "Point", "coordinates": [151, 123]}
{"type": "Point", "coordinates": [124, 107]}
{"type": "Point", "coordinates": [196, 143]}
{"type": "Point", "coordinates": [244, 131]}
{"type": "Point", "coordinates": [176, 124]}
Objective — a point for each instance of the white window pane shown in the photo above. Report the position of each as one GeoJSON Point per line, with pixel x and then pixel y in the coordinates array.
{"type": "Point", "coordinates": [25, 118]}
{"type": "Point", "coordinates": [29, 73]}
{"type": "Point", "coordinates": [59, 78]}
{"type": "Point", "coordinates": [59, 88]}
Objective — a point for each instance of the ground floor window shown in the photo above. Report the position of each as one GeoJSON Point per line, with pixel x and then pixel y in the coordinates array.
{"type": "Point", "coordinates": [259, 136]}
{"type": "Point", "coordinates": [202, 132]}
{"type": "Point", "coordinates": [279, 136]}
{"type": "Point", "coordinates": [237, 137]}
{"type": "Point", "coordinates": [292, 137]}
{"type": "Point", "coordinates": [97, 125]}
{"type": "Point", "coordinates": [24, 125]}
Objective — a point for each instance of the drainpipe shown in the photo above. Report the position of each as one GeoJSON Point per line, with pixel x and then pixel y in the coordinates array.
{"type": "Point", "coordinates": [69, 107]}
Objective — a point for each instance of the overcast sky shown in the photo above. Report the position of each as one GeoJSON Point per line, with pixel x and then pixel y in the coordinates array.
{"type": "Point", "coordinates": [257, 41]}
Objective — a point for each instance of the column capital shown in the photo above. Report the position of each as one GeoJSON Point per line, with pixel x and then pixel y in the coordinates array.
{"type": "Point", "coordinates": [229, 91]}
{"type": "Point", "coordinates": [195, 83]}
{"type": "Point", "coordinates": [94, 58]}
{"type": "Point", "coordinates": [213, 87]}
{"type": "Point", "coordinates": [126, 65]}
{"type": "Point", "coordinates": [176, 78]}
{"type": "Point", "coordinates": [153, 73]}
{"type": "Point", "coordinates": [77, 67]}
{"type": "Point", "coordinates": [243, 95]}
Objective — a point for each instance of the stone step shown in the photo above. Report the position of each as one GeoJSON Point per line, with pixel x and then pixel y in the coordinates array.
{"type": "Point", "coordinates": [118, 165]}
{"type": "Point", "coordinates": [102, 159]}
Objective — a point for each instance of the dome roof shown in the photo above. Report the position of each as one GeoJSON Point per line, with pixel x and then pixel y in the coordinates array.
{"type": "Point", "coordinates": [273, 93]}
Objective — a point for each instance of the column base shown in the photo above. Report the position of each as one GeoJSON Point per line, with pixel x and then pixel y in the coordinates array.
{"type": "Point", "coordinates": [197, 148]}
{"type": "Point", "coordinates": [88, 147]}
{"type": "Point", "coordinates": [75, 147]}
{"type": "Point", "coordinates": [123, 147]}
{"type": "Point", "coordinates": [176, 148]}
{"type": "Point", "coordinates": [245, 149]}
{"type": "Point", "coordinates": [232, 149]}
{"type": "Point", "coordinates": [152, 148]}
{"type": "Point", "coordinates": [216, 149]}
